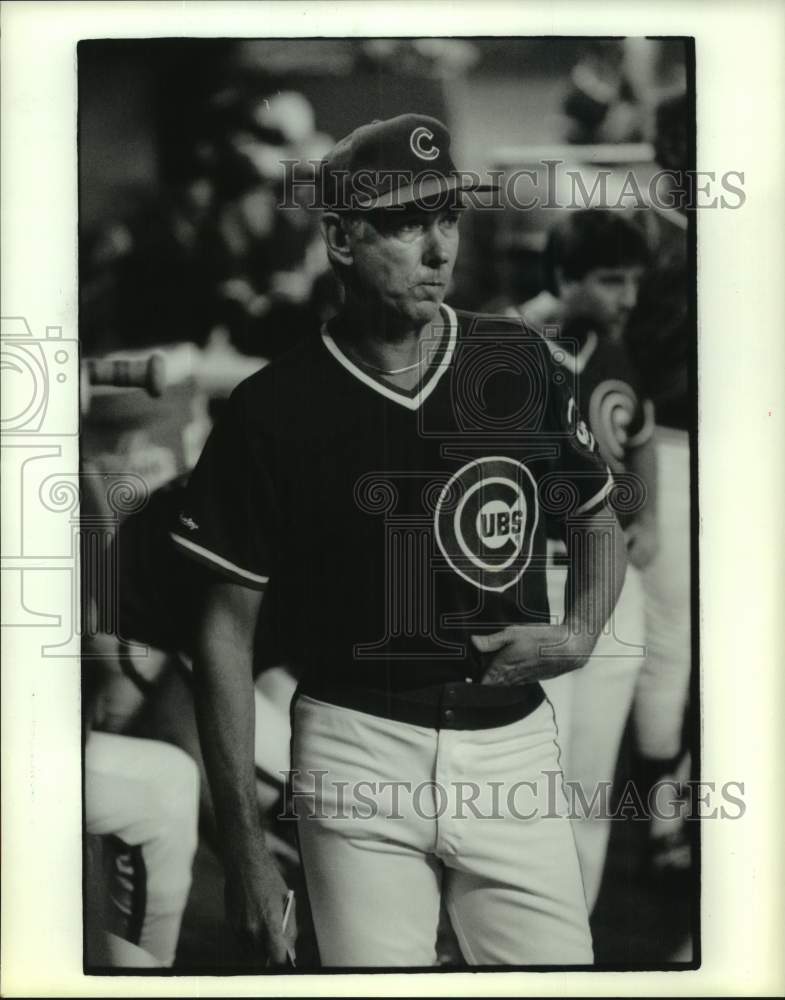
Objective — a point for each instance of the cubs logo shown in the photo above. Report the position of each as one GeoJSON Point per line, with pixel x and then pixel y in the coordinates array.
{"type": "Point", "coordinates": [485, 520]}
{"type": "Point", "coordinates": [611, 409]}
{"type": "Point", "coordinates": [582, 433]}
{"type": "Point", "coordinates": [417, 141]}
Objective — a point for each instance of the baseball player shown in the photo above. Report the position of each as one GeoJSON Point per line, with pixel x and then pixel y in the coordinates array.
{"type": "Point", "coordinates": [145, 794]}
{"type": "Point", "coordinates": [594, 262]}
{"type": "Point", "coordinates": [389, 485]}
{"type": "Point", "coordinates": [660, 334]}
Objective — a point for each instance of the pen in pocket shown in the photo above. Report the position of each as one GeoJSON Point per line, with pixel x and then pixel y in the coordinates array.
{"type": "Point", "coordinates": [287, 910]}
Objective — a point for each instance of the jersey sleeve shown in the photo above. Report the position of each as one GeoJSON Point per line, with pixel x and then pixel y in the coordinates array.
{"type": "Point", "coordinates": [580, 471]}
{"type": "Point", "coordinates": [624, 375]}
{"type": "Point", "coordinates": [226, 520]}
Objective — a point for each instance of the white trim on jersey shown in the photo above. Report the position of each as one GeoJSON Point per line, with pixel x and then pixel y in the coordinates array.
{"type": "Point", "coordinates": [218, 560]}
{"type": "Point", "coordinates": [398, 395]}
{"type": "Point", "coordinates": [597, 498]}
{"type": "Point", "coordinates": [574, 363]}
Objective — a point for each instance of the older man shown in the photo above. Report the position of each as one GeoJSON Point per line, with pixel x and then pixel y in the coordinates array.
{"type": "Point", "coordinates": [388, 484]}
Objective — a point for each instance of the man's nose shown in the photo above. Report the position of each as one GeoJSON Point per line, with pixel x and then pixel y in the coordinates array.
{"type": "Point", "coordinates": [436, 251]}
{"type": "Point", "coordinates": [630, 294]}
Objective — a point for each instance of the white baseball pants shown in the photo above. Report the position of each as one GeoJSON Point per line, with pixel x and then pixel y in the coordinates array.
{"type": "Point", "coordinates": [146, 793]}
{"type": "Point", "coordinates": [392, 816]}
{"type": "Point", "coordinates": [591, 706]}
{"type": "Point", "coordinates": [661, 696]}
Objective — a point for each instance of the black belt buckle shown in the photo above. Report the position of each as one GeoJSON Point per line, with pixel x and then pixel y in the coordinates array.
{"type": "Point", "coordinates": [466, 706]}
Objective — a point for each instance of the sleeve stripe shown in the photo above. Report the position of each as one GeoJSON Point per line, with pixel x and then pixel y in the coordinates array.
{"type": "Point", "coordinates": [221, 563]}
{"type": "Point", "coordinates": [598, 497]}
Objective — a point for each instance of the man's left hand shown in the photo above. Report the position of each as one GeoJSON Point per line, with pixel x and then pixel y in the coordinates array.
{"type": "Point", "coordinates": [522, 654]}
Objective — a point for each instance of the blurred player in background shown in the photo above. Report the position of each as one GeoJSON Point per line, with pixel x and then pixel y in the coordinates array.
{"type": "Point", "coordinates": [595, 261]}
{"type": "Point", "coordinates": [661, 337]}
{"type": "Point", "coordinates": [141, 801]}
{"type": "Point", "coordinates": [212, 259]}
{"type": "Point", "coordinates": [215, 279]}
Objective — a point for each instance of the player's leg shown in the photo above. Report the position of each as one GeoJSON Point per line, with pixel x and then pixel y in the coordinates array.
{"type": "Point", "coordinates": [373, 884]}
{"type": "Point", "coordinates": [273, 691]}
{"type": "Point", "coordinates": [512, 881]}
{"type": "Point", "coordinates": [374, 902]}
{"type": "Point", "coordinates": [602, 696]}
{"type": "Point", "coordinates": [662, 688]}
{"type": "Point", "coordinates": [663, 685]}
{"type": "Point", "coordinates": [146, 793]}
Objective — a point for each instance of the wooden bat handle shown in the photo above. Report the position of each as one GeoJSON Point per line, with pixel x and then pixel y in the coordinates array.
{"type": "Point", "coordinates": [149, 374]}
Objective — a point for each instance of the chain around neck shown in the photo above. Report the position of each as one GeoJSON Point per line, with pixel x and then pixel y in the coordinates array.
{"type": "Point", "coordinates": [389, 371]}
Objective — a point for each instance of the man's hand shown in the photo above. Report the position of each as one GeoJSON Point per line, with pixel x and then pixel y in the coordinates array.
{"type": "Point", "coordinates": [522, 654]}
{"type": "Point", "coordinates": [642, 541]}
{"type": "Point", "coordinates": [255, 901]}
{"type": "Point", "coordinates": [223, 689]}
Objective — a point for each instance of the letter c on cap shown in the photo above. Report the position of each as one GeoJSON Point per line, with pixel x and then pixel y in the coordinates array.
{"type": "Point", "coordinates": [416, 142]}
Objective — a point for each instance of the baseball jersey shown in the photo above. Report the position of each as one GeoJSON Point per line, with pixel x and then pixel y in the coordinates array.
{"type": "Point", "coordinates": [159, 589]}
{"type": "Point", "coordinates": [609, 394]}
{"type": "Point", "coordinates": [661, 330]}
{"type": "Point", "coordinates": [388, 525]}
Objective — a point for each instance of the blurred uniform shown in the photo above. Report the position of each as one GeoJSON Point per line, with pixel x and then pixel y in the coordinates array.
{"type": "Point", "coordinates": [659, 336]}
{"type": "Point", "coordinates": [591, 705]}
{"type": "Point", "coordinates": [146, 794]}
{"type": "Point", "coordinates": [596, 259]}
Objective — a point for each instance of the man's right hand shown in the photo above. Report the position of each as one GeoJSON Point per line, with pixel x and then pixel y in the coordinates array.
{"type": "Point", "coordinates": [255, 901]}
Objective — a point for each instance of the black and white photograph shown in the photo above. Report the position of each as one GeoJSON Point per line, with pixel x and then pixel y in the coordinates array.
{"type": "Point", "coordinates": [387, 537]}
{"type": "Point", "coordinates": [366, 487]}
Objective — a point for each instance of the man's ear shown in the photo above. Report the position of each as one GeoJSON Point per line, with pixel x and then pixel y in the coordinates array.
{"type": "Point", "coordinates": [336, 238]}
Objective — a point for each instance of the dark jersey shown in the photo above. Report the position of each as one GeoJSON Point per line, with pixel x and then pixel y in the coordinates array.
{"type": "Point", "coordinates": [159, 590]}
{"type": "Point", "coordinates": [392, 524]}
{"type": "Point", "coordinates": [608, 392]}
{"type": "Point", "coordinates": [661, 330]}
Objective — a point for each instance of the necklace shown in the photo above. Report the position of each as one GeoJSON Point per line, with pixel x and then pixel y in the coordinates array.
{"type": "Point", "coordinates": [383, 371]}
{"type": "Point", "coordinates": [389, 371]}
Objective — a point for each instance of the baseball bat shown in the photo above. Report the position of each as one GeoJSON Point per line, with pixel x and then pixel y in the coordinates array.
{"type": "Point", "coordinates": [149, 374]}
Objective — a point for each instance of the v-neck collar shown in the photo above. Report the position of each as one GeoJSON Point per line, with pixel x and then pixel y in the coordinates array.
{"type": "Point", "coordinates": [574, 363]}
{"type": "Point", "coordinates": [412, 398]}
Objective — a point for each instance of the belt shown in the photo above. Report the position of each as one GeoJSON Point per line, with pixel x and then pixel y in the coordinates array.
{"type": "Point", "coordinates": [440, 706]}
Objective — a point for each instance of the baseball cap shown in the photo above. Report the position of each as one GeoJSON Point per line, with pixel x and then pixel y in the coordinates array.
{"type": "Point", "coordinates": [390, 163]}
